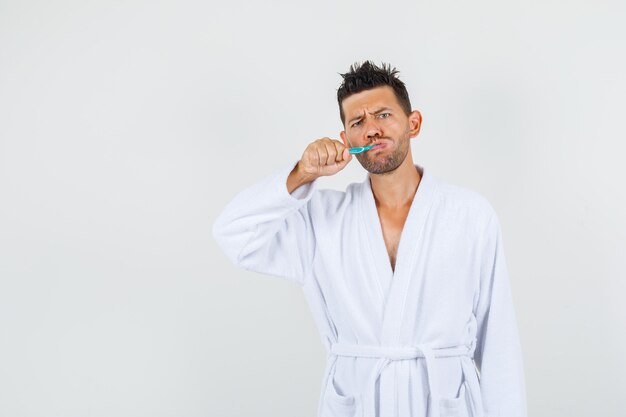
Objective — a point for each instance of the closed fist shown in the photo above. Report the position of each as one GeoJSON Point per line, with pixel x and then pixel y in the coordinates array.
{"type": "Point", "coordinates": [324, 157]}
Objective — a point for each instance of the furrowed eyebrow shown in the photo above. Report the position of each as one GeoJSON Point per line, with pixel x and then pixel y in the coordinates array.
{"type": "Point", "coordinates": [354, 119]}
{"type": "Point", "coordinates": [382, 109]}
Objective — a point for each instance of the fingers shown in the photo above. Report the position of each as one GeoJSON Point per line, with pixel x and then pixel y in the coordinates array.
{"type": "Point", "coordinates": [325, 156]}
{"type": "Point", "coordinates": [328, 151]}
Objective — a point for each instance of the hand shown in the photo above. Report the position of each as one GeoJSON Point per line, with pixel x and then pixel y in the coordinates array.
{"type": "Point", "coordinates": [322, 157]}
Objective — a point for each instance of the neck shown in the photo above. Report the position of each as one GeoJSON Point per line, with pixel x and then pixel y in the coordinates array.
{"type": "Point", "coordinates": [397, 188]}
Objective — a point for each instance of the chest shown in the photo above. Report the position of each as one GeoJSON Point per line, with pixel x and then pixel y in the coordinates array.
{"type": "Point", "coordinates": [392, 223]}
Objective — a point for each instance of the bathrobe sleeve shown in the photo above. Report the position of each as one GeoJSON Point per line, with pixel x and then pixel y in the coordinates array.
{"type": "Point", "coordinates": [498, 354]}
{"type": "Point", "coordinates": [265, 229]}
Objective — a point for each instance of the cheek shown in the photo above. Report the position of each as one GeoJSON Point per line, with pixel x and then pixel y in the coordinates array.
{"type": "Point", "coordinates": [395, 125]}
{"type": "Point", "coordinates": [358, 138]}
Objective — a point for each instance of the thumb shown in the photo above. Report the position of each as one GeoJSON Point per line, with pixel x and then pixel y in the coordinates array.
{"type": "Point", "coordinates": [342, 164]}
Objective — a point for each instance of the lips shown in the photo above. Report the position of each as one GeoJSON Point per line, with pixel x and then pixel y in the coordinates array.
{"type": "Point", "coordinates": [379, 145]}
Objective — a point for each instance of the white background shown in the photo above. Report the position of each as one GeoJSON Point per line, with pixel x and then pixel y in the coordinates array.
{"type": "Point", "coordinates": [126, 126]}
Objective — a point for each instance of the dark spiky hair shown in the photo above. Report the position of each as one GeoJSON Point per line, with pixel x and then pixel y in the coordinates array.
{"type": "Point", "coordinates": [367, 76]}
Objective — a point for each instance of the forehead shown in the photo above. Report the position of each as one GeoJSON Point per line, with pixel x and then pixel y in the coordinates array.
{"type": "Point", "coordinates": [369, 99]}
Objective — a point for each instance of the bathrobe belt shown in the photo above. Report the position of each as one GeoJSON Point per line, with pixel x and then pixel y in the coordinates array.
{"type": "Point", "coordinates": [388, 354]}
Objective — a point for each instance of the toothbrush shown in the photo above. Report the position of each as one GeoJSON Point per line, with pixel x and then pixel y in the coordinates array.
{"type": "Point", "coordinates": [362, 148]}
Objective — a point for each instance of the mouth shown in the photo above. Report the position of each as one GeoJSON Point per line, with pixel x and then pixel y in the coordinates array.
{"type": "Point", "coordinates": [379, 145]}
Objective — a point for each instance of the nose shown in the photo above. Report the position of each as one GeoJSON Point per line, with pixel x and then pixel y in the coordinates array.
{"type": "Point", "coordinates": [372, 129]}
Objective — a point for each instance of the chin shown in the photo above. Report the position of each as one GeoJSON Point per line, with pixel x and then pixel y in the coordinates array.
{"type": "Point", "coordinates": [382, 164]}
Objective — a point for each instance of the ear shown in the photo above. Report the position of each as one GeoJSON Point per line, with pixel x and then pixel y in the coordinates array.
{"type": "Point", "coordinates": [342, 134]}
{"type": "Point", "coordinates": [415, 123]}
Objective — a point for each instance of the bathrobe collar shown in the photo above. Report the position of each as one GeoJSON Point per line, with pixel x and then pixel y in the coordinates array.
{"type": "Point", "coordinates": [394, 285]}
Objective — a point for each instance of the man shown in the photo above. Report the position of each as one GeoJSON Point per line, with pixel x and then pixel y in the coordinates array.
{"type": "Point", "coordinates": [404, 273]}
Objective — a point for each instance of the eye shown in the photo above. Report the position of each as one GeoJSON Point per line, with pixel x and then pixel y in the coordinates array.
{"type": "Point", "coordinates": [385, 114]}
{"type": "Point", "coordinates": [356, 123]}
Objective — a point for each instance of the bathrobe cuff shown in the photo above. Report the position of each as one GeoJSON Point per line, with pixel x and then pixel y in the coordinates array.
{"type": "Point", "coordinates": [303, 193]}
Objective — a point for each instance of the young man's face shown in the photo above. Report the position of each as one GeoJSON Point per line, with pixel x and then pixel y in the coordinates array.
{"type": "Point", "coordinates": [375, 116]}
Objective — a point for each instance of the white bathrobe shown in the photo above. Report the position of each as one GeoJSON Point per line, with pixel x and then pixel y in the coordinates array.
{"type": "Point", "coordinates": [437, 337]}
